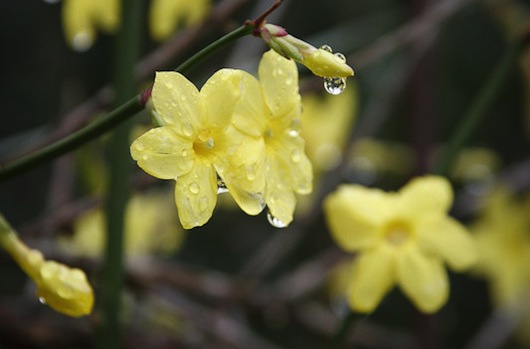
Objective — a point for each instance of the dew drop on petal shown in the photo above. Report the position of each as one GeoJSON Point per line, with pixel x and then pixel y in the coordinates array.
{"type": "Point", "coordinates": [139, 146]}
{"type": "Point", "coordinates": [335, 86]}
{"type": "Point", "coordinates": [145, 157]}
{"type": "Point", "coordinates": [183, 97]}
{"type": "Point", "coordinates": [221, 186]}
{"type": "Point", "coordinates": [184, 152]}
{"type": "Point", "coordinates": [169, 85]}
{"type": "Point", "coordinates": [187, 129]}
{"type": "Point", "coordinates": [203, 203]}
{"type": "Point", "coordinates": [296, 155]}
{"type": "Point", "coordinates": [82, 41]}
{"type": "Point", "coordinates": [326, 48]}
{"type": "Point", "coordinates": [275, 222]}
{"type": "Point", "coordinates": [194, 188]}
{"type": "Point", "coordinates": [340, 56]}
{"type": "Point", "coordinates": [42, 300]}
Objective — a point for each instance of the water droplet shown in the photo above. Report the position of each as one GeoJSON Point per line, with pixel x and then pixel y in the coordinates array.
{"type": "Point", "coordinates": [169, 85]}
{"type": "Point", "coordinates": [145, 157]}
{"type": "Point", "coordinates": [221, 186]}
{"type": "Point", "coordinates": [289, 81]}
{"type": "Point", "coordinates": [340, 56]}
{"type": "Point", "coordinates": [251, 173]}
{"type": "Point", "coordinates": [139, 146]}
{"type": "Point", "coordinates": [326, 48]}
{"type": "Point", "coordinates": [184, 153]}
{"type": "Point", "coordinates": [335, 86]}
{"type": "Point", "coordinates": [183, 97]}
{"type": "Point", "coordinates": [293, 133]}
{"type": "Point", "coordinates": [82, 41]}
{"type": "Point", "coordinates": [42, 300]}
{"type": "Point", "coordinates": [296, 155]}
{"type": "Point", "coordinates": [209, 144]}
{"type": "Point", "coordinates": [203, 203]}
{"type": "Point", "coordinates": [194, 188]}
{"type": "Point", "coordinates": [275, 222]}
{"type": "Point", "coordinates": [187, 129]}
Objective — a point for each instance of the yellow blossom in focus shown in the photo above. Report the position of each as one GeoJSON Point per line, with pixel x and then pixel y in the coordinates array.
{"type": "Point", "coordinates": [502, 233]}
{"type": "Point", "coordinates": [151, 226]}
{"type": "Point", "coordinates": [321, 62]}
{"type": "Point", "coordinates": [166, 15]}
{"type": "Point", "coordinates": [83, 18]}
{"type": "Point", "coordinates": [197, 143]}
{"type": "Point", "coordinates": [269, 111]}
{"type": "Point", "coordinates": [402, 239]}
{"type": "Point", "coordinates": [64, 289]}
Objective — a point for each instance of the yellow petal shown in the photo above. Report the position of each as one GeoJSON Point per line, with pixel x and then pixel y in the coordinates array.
{"type": "Point", "coordinates": [279, 79]}
{"type": "Point", "coordinates": [196, 195]}
{"type": "Point", "coordinates": [251, 203]}
{"type": "Point", "coordinates": [279, 196]}
{"type": "Point", "coordinates": [176, 100]}
{"type": "Point", "coordinates": [429, 194]}
{"type": "Point", "coordinates": [374, 275]}
{"type": "Point", "coordinates": [448, 239]}
{"type": "Point", "coordinates": [166, 15]}
{"type": "Point", "coordinates": [79, 29]}
{"type": "Point", "coordinates": [219, 96]}
{"type": "Point", "coordinates": [355, 216]}
{"type": "Point", "coordinates": [162, 153]}
{"type": "Point", "coordinates": [291, 156]}
{"type": "Point", "coordinates": [107, 14]}
{"type": "Point", "coordinates": [423, 279]}
{"type": "Point", "coordinates": [250, 113]}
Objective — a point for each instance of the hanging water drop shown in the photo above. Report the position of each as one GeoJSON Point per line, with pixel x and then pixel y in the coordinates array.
{"type": "Point", "coordinates": [326, 48]}
{"type": "Point", "coordinates": [82, 41]}
{"type": "Point", "coordinates": [187, 129]}
{"type": "Point", "coordinates": [335, 86]}
{"type": "Point", "coordinates": [221, 186]}
{"type": "Point", "coordinates": [275, 222]}
{"type": "Point", "coordinates": [42, 300]}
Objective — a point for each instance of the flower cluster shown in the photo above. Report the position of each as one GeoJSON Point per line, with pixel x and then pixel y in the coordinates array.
{"type": "Point", "coordinates": [400, 238]}
{"type": "Point", "coordinates": [83, 18]}
{"type": "Point", "coordinates": [236, 133]}
{"type": "Point", "coordinates": [64, 289]}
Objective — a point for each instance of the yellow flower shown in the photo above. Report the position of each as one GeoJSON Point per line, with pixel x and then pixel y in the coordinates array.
{"type": "Point", "coordinates": [502, 236]}
{"type": "Point", "coordinates": [82, 19]}
{"type": "Point", "coordinates": [150, 227]}
{"type": "Point", "coordinates": [320, 61]}
{"type": "Point", "coordinates": [166, 15]}
{"type": "Point", "coordinates": [198, 143]}
{"type": "Point", "coordinates": [400, 238]}
{"type": "Point", "coordinates": [64, 289]}
{"type": "Point", "coordinates": [326, 123]}
{"type": "Point", "coordinates": [269, 111]}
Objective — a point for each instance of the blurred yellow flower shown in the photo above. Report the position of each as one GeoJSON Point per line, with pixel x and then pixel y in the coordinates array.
{"type": "Point", "coordinates": [166, 15]}
{"type": "Point", "coordinates": [326, 123]}
{"type": "Point", "coordinates": [197, 143]}
{"type": "Point", "coordinates": [400, 238]}
{"type": "Point", "coordinates": [502, 233]}
{"type": "Point", "coordinates": [151, 227]}
{"type": "Point", "coordinates": [83, 18]}
{"type": "Point", "coordinates": [269, 111]}
{"type": "Point", "coordinates": [64, 289]}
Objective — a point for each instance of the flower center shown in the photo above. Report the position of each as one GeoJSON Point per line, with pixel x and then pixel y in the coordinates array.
{"type": "Point", "coordinates": [397, 233]}
{"type": "Point", "coordinates": [204, 142]}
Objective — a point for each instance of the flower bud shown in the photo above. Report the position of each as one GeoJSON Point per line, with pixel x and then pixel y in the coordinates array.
{"type": "Point", "coordinates": [321, 62]}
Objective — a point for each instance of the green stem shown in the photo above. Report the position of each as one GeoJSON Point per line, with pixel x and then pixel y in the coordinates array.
{"type": "Point", "coordinates": [112, 119]}
{"type": "Point", "coordinates": [126, 54]}
{"type": "Point", "coordinates": [478, 109]}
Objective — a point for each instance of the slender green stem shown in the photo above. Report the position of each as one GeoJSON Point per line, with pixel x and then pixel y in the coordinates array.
{"type": "Point", "coordinates": [112, 119]}
{"type": "Point", "coordinates": [126, 54]}
{"type": "Point", "coordinates": [478, 109]}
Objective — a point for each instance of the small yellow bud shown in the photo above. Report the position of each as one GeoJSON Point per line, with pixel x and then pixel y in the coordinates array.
{"type": "Point", "coordinates": [64, 289]}
{"type": "Point", "coordinates": [320, 61]}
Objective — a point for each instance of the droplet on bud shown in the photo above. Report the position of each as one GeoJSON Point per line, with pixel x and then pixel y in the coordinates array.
{"type": "Point", "coordinates": [335, 86]}
{"type": "Point", "coordinates": [326, 48]}
{"type": "Point", "coordinates": [275, 222]}
{"type": "Point", "coordinates": [221, 186]}
{"type": "Point", "coordinates": [340, 56]}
